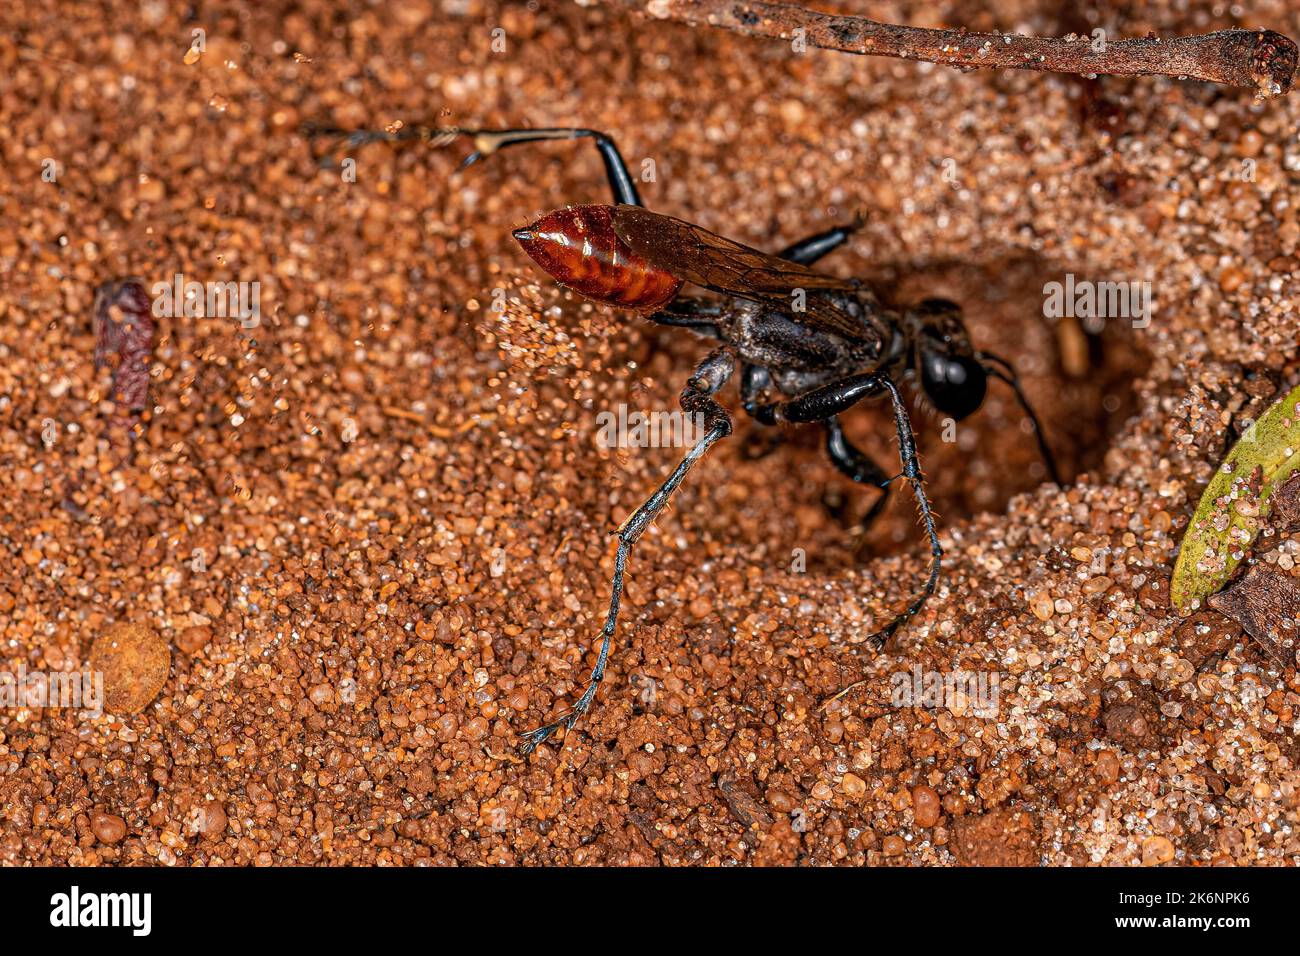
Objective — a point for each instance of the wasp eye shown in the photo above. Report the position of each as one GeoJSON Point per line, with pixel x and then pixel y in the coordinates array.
{"type": "Point", "coordinates": [954, 383]}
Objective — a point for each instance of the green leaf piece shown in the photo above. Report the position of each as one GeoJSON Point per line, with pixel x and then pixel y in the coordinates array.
{"type": "Point", "coordinates": [1236, 502]}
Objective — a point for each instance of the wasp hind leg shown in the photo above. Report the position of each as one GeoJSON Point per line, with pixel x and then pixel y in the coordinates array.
{"type": "Point", "coordinates": [829, 400]}
{"type": "Point", "coordinates": [488, 141]}
{"type": "Point", "coordinates": [621, 184]}
{"type": "Point", "coordinates": [696, 400]}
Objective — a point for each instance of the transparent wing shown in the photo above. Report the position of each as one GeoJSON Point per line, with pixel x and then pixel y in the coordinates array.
{"type": "Point", "coordinates": [714, 262]}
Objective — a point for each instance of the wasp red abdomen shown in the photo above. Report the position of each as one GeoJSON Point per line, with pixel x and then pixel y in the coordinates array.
{"type": "Point", "coordinates": [580, 249]}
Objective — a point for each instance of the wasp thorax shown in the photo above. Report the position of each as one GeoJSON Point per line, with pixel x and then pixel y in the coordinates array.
{"type": "Point", "coordinates": [578, 246]}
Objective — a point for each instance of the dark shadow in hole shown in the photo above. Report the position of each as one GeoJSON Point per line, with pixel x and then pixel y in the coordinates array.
{"type": "Point", "coordinates": [1081, 385]}
{"type": "Point", "coordinates": [1080, 382]}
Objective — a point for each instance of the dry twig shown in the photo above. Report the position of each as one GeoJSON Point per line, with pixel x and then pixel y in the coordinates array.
{"type": "Point", "coordinates": [1260, 59]}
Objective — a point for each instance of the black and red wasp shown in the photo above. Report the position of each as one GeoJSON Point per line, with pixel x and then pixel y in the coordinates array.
{"type": "Point", "coordinates": [808, 346]}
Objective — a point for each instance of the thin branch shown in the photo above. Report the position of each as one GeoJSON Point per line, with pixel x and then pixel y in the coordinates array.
{"type": "Point", "coordinates": [1260, 59]}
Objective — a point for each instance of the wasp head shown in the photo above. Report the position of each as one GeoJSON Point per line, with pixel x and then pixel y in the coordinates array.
{"type": "Point", "coordinates": [952, 376]}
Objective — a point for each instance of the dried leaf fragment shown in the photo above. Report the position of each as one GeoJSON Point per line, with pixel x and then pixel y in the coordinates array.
{"type": "Point", "coordinates": [1266, 602]}
{"type": "Point", "coordinates": [1286, 505]}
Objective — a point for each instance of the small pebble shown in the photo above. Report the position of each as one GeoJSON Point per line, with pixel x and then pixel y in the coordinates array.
{"type": "Point", "coordinates": [134, 661]}
{"type": "Point", "coordinates": [213, 821]}
{"type": "Point", "coordinates": [107, 827]}
{"type": "Point", "coordinates": [1042, 606]}
{"type": "Point", "coordinates": [925, 806]}
{"type": "Point", "coordinates": [194, 639]}
{"type": "Point", "coordinates": [1156, 850]}
{"type": "Point", "coordinates": [1107, 767]}
{"type": "Point", "coordinates": [853, 786]}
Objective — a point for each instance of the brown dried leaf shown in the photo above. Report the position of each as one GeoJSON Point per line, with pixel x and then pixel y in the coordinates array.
{"type": "Point", "coordinates": [1286, 505]}
{"type": "Point", "coordinates": [1266, 602]}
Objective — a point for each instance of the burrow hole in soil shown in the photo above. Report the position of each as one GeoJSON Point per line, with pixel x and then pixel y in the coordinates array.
{"type": "Point", "coordinates": [1080, 381]}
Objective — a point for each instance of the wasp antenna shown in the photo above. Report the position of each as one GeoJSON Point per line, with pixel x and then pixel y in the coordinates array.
{"type": "Point", "coordinates": [996, 369]}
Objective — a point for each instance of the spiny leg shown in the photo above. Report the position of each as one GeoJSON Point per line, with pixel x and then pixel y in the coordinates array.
{"type": "Point", "coordinates": [912, 471]}
{"type": "Point", "coordinates": [828, 400]}
{"type": "Point", "coordinates": [488, 141]}
{"type": "Point", "coordinates": [854, 463]}
{"type": "Point", "coordinates": [696, 400]}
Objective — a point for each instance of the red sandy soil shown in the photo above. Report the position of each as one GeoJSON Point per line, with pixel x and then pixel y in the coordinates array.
{"type": "Point", "coordinates": [402, 514]}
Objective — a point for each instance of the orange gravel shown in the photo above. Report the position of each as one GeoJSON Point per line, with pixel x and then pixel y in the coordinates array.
{"type": "Point", "coordinates": [372, 527]}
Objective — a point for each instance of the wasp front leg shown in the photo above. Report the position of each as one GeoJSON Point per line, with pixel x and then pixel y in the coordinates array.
{"type": "Point", "coordinates": [827, 401]}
